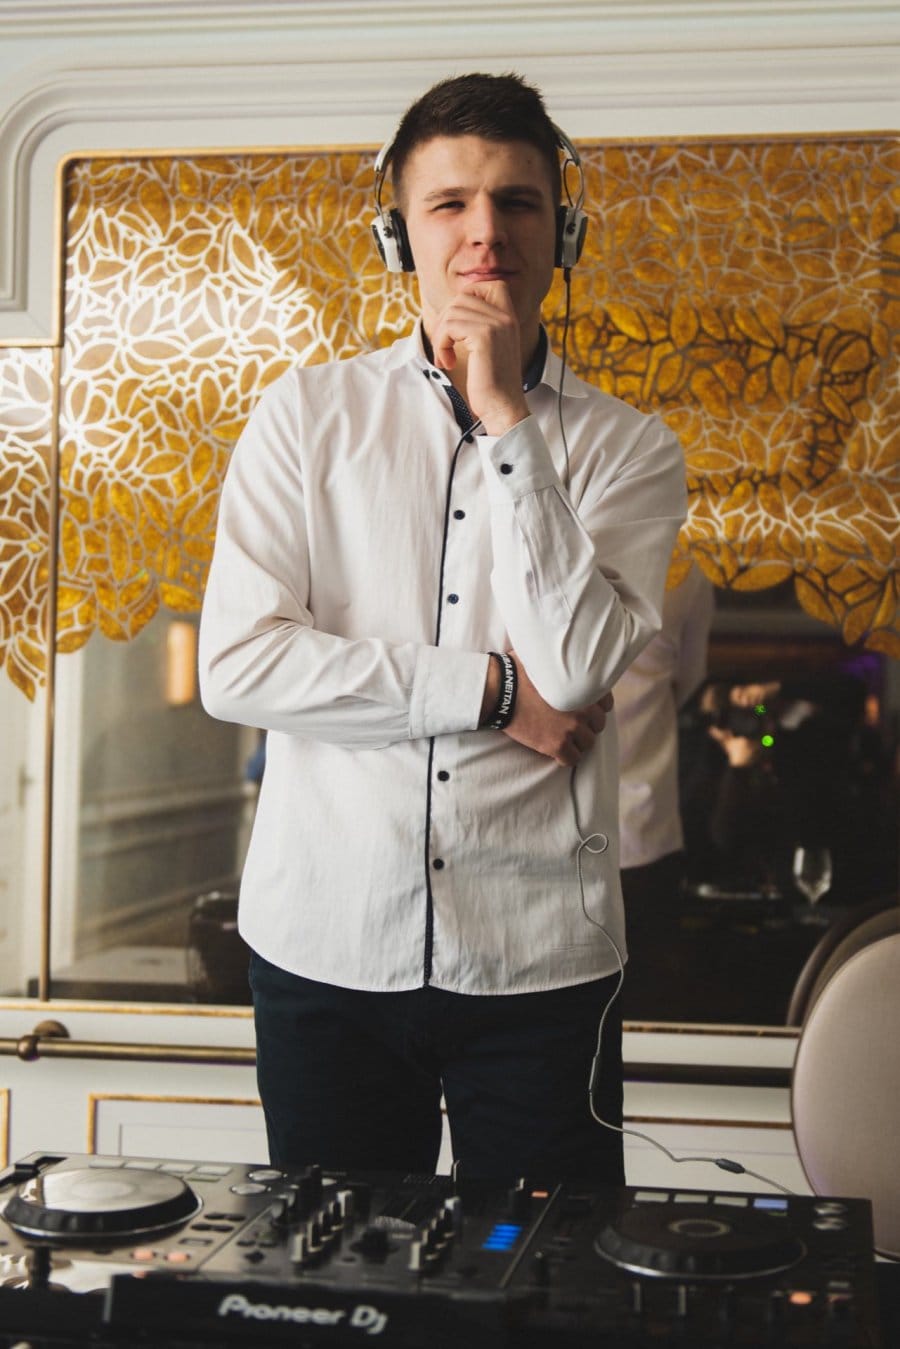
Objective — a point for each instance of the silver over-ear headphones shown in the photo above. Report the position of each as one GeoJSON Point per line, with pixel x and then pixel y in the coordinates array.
{"type": "Point", "coordinates": [389, 228]}
{"type": "Point", "coordinates": [392, 240]}
{"type": "Point", "coordinates": [571, 220]}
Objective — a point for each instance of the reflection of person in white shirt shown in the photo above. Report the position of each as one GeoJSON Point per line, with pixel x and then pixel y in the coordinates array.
{"type": "Point", "coordinates": [648, 697]}
{"type": "Point", "coordinates": [783, 768]}
{"type": "Point", "coordinates": [423, 591]}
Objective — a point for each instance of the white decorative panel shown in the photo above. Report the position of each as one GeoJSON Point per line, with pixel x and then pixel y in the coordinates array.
{"type": "Point", "coordinates": [192, 1128]}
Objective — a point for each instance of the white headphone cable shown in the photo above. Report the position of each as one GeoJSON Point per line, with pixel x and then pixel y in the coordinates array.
{"type": "Point", "coordinates": [723, 1163]}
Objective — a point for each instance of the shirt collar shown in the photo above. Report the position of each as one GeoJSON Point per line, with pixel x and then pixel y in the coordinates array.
{"type": "Point", "coordinates": [535, 369]}
{"type": "Point", "coordinates": [572, 386]}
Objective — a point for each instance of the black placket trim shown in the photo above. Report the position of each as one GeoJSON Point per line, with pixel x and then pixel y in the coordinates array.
{"type": "Point", "coordinates": [429, 894]}
{"type": "Point", "coordinates": [467, 422]}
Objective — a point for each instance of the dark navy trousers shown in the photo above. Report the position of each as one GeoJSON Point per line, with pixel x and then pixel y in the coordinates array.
{"type": "Point", "coordinates": [353, 1080]}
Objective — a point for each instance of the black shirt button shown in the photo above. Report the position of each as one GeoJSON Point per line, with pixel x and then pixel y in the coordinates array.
{"type": "Point", "coordinates": [443, 775]}
{"type": "Point", "coordinates": [459, 515]}
{"type": "Point", "coordinates": [453, 599]}
{"type": "Point", "coordinates": [506, 468]}
{"type": "Point", "coordinates": [438, 864]}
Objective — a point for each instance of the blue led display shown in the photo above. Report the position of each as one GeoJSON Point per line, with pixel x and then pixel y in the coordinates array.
{"type": "Point", "coordinates": [770, 1202]}
{"type": "Point", "coordinates": [502, 1237]}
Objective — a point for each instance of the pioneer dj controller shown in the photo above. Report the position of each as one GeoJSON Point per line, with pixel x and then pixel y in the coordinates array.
{"type": "Point", "coordinates": [120, 1252]}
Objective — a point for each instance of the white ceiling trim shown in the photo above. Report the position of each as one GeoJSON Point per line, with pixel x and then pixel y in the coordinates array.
{"type": "Point", "coordinates": [472, 31]}
{"type": "Point", "coordinates": [86, 15]}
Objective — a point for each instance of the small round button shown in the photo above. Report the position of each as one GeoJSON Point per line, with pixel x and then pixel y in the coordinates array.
{"type": "Point", "coordinates": [506, 468]}
{"type": "Point", "coordinates": [459, 515]}
{"type": "Point", "coordinates": [443, 775]}
{"type": "Point", "coordinates": [453, 599]}
{"type": "Point", "coordinates": [438, 864]}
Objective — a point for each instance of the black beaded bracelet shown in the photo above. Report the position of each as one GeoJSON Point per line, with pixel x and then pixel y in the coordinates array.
{"type": "Point", "coordinates": [506, 703]}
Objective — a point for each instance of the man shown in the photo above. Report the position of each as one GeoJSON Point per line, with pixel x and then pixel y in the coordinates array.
{"type": "Point", "coordinates": [426, 621]}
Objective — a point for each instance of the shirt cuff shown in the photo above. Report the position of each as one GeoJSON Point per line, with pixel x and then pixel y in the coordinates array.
{"type": "Point", "coordinates": [447, 691]}
{"type": "Point", "coordinates": [517, 463]}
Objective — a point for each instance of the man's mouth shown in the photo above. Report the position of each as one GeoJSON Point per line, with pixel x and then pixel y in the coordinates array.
{"type": "Point", "coordinates": [488, 274]}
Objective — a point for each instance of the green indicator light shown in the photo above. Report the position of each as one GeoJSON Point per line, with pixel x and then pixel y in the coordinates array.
{"type": "Point", "coordinates": [768, 741]}
{"type": "Point", "coordinates": [760, 709]}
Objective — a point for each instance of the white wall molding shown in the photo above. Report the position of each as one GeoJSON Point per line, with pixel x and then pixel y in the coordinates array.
{"type": "Point", "coordinates": [88, 18]}
{"type": "Point", "coordinates": [225, 74]}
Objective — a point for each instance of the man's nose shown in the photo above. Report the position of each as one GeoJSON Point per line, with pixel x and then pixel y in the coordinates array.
{"type": "Point", "coordinates": [486, 224]}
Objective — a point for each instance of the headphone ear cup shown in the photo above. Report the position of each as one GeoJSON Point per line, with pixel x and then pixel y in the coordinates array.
{"type": "Point", "coordinates": [406, 258]}
{"type": "Point", "coordinates": [571, 227]}
{"type": "Point", "coordinates": [392, 242]}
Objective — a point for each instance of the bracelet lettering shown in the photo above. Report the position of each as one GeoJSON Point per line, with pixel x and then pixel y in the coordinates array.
{"type": "Point", "coordinates": [506, 703]}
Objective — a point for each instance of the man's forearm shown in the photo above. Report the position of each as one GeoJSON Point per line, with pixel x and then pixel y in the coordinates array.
{"type": "Point", "coordinates": [581, 594]}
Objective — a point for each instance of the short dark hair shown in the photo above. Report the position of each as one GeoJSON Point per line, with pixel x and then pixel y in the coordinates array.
{"type": "Point", "coordinates": [495, 107]}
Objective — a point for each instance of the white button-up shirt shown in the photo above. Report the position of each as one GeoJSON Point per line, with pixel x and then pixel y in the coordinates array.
{"type": "Point", "coordinates": [362, 572]}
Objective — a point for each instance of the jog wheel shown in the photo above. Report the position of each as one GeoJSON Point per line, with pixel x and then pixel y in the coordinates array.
{"type": "Point", "coordinates": [71, 1205]}
{"type": "Point", "coordinates": [699, 1241]}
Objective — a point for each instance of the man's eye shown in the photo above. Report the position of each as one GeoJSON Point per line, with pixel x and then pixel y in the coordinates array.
{"type": "Point", "coordinates": [450, 205]}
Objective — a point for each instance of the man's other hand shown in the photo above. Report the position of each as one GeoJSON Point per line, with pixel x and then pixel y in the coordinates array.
{"type": "Point", "coordinates": [563, 736]}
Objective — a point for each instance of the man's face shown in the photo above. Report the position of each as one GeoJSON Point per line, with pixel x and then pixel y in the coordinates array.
{"type": "Point", "coordinates": [479, 211]}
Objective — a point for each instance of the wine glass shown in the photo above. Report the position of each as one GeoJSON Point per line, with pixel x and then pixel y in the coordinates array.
{"type": "Point", "coordinates": [812, 874]}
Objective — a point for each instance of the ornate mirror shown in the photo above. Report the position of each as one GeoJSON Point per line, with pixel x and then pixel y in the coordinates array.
{"type": "Point", "coordinates": [744, 288]}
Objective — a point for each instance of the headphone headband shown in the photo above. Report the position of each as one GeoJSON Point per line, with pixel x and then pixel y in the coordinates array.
{"type": "Point", "coordinates": [573, 158]}
{"type": "Point", "coordinates": [389, 228]}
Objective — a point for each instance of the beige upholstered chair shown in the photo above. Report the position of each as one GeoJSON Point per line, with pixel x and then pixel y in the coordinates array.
{"type": "Point", "coordinates": [848, 934]}
{"type": "Point", "coordinates": [845, 1095]}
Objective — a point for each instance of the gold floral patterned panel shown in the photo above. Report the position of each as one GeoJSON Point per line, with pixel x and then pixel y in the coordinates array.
{"type": "Point", "coordinates": [748, 290]}
{"type": "Point", "coordinates": [191, 284]}
{"type": "Point", "coordinates": [26, 436]}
